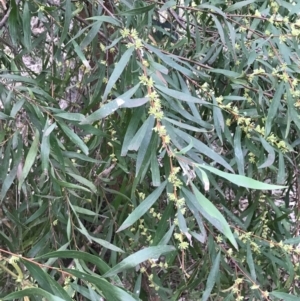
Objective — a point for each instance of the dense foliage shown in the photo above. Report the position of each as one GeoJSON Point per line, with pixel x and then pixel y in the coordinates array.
{"type": "Point", "coordinates": [149, 150]}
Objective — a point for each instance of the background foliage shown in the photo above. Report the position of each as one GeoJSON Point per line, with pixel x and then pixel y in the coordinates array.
{"type": "Point", "coordinates": [139, 130]}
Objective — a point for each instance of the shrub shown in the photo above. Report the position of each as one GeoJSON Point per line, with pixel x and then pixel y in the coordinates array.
{"type": "Point", "coordinates": [149, 150]}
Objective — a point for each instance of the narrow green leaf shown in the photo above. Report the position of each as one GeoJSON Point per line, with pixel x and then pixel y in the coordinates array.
{"type": "Point", "coordinates": [70, 185]}
{"type": "Point", "coordinates": [292, 241]}
{"type": "Point", "coordinates": [87, 257]}
{"type": "Point", "coordinates": [202, 175]}
{"type": "Point", "coordinates": [26, 26]}
{"type": "Point", "coordinates": [138, 285]}
{"type": "Point", "coordinates": [45, 145]}
{"type": "Point", "coordinates": [131, 130]}
{"type": "Point", "coordinates": [238, 5]}
{"type": "Point", "coordinates": [166, 238]}
{"type": "Point", "coordinates": [167, 5]}
{"type": "Point", "coordinates": [271, 154]}
{"type": "Point", "coordinates": [129, 93]}
{"type": "Point", "coordinates": [182, 225]}
{"type": "Point", "coordinates": [45, 281]}
{"type": "Point", "coordinates": [9, 179]}
{"type": "Point", "coordinates": [91, 34]}
{"type": "Point", "coordinates": [135, 102]}
{"type": "Point", "coordinates": [138, 257]}
{"type": "Point", "coordinates": [70, 116]}
{"type": "Point", "coordinates": [106, 244]}
{"type": "Point", "coordinates": [2, 135]}
{"type": "Point", "coordinates": [67, 19]}
{"type": "Point", "coordinates": [110, 291]}
{"type": "Point", "coordinates": [185, 126]}
{"type": "Point", "coordinates": [137, 11]}
{"type": "Point", "coordinates": [32, 292]}
{"type": "Point", "coordinates": [155, 173]}
{"type": "Point", "coordinates": [281, 176]}
{"type": "Point", "coordinates": [102, 242]}
{"type": "Point", "coordinates": [136, 141]}
{"type": "Point", "coordinates": [81, 157]}
{"type": "Point", "coordinates": [219, 28]}
{"type": "Point", "coordinates": [144, 147]}
{"type": "Point", "coordinates": [31, 156]}
{"type": "Point", "coordinates": [212, 276]}
{"type": "Point", "coordinates": [218, 119]}
{"type": "Point", "coordinates": [272, 111]}
{"type": "Point", "coordinates": [4, 160]}
{"type": "Point", "coordinates": [226, 72]}
{"type": "Point", "coordinates": [213, 8]}
{"type": "Point", "coordinates": [104, 111]}
{"type": "Point", "coordinates": [169, 61]}
{"type": "Point", "coordinates": [4, 116]}
{"type": "Point", "coordinates": [184, 150]}
{"type": "Point", "coordinates": [80, 54]}
{"type": "Point", "coordinates": [84, 182]}
{"type": "Point", "coordinates": [143, 207]}
{"type": "Point", "coordinates": [284, 296]}
{"type": "Point", "coordinates": [250, 262]}
{"type": "Point", "coordinates": [37, 213]}
{"type": "Point", "coordinates": [16, 108]}
{"type": "Point", "coordinates": [210, 212]}
{"type": "Point", "coordinates": [106, 19]}
{"type": "Point", "coordinates": [239, 156]}
{"type": "Point", "coordinates": [242, 180]}
{"type": "Point", "coordinates": [180, 95]}
{"type": "Point", "coordinates": [84, 211]}
{"type": "Point", "coordinates": [216, 55]}
{"type": "Point", "coordinates": [19, 78]}
{"type": "Point", "coordinates": [118, 69]}
{"type": "Point", "coordinates": [203, 148]}
{"type": "Point", "coordinates": [73, 137]}
{"type": "Point", "coordinates": [13, 22]}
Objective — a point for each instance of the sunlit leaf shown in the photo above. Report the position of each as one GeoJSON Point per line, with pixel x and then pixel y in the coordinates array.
{"type": "Point", "coordinates": [210, 212]}
{"type": "Point", "coordinates": [104, 111]}
{"type": "Point", "coordinates": [139, 257]}
{"type": "Point", "coordinates": [242, 180]}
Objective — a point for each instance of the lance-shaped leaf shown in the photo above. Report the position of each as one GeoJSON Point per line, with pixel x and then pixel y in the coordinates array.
{"type": "Point", "coordinates": [241, 180]}
{"type": "Point", "coordinates": [31, 156]}
{"type": "Point", "coordinates": [210, 212]}
{"type": "Point", "coordinates": [110, 291]}
{"type": "Point", "coordinates": [212, 276]}
{"type": "Point", "coordinates": [145, 205]}
{"type": "Point", "coordinates": [74, 137]}
{"type": "Point", "coordinates": [45, 145]}
{"type": "Point", "coordinates": [33, 291]}
{"type": "Point", "coordinates": [284, 296]}
{"type": "Point", "coordinates": [180, 95]}
{"type": "Point", "coordinates": [140, 256]}
{"type": "Point", "coordinates": [45, 281]}
{"type": "Point", "coordinates": [104, 111]}
{"type": "Point", "coordinates": [120, 66]}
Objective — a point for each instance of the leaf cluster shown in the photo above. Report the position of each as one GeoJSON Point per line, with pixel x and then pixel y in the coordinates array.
{"type": "Point", "coordinates": [149, 150]}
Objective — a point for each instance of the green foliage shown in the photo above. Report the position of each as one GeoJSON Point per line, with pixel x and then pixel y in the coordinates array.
{"type": "Point", "coordinates": [148, 150]}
